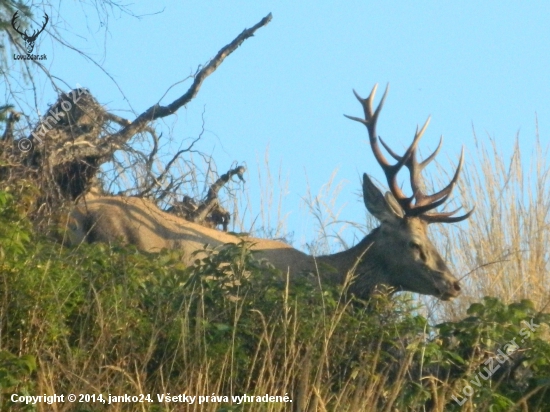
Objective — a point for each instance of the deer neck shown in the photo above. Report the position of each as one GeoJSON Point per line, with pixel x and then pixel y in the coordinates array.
{"type": "Point", "coordinates": [358, 261]}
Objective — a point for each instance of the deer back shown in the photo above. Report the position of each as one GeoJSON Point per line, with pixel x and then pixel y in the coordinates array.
{"type": "Point", "coordinates": [137, 221]}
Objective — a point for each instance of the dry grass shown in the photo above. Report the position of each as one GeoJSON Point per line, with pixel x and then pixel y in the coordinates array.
{"type": "Point", "coordinates": [503, 249]}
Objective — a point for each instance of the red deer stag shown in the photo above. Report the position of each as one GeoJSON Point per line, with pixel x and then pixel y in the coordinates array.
{"type": "Point", "coordinates": [398, 253]}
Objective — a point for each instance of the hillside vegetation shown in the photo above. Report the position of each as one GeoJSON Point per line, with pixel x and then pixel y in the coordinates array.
{"type": "Point", "coordinates": [110, 320]}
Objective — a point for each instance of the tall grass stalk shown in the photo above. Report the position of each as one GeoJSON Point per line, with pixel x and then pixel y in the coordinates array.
{"type": "Point", "coordinates": [503, 249]}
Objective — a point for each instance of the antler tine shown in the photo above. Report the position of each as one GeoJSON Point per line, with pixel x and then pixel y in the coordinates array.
{"type": "Point", "coordinates": [425, 202]}
{"type": "Point", "coordinates": [424, 199]}
{"type": "Point", "coordinates": [416, 168]}
{"type": "Point", "coordinates": [444, 214]}
{"type": "Point", "coordinates": [445, 217]}
{"type": "Point", "coordinates": [367, 106]}
{"type": "Point", "coordinates": [371, 117]}
{"type": "Point", "coordinates": [14, 18]}
{"type": "Point", "coordinates": [36, 32]}
{"type": "Point", "coordinates": [409, 160]}
{"type": "Point", "coordinates": [418, 210]}
{"type": "Point", "coordinates": [389, 150]}
{"type": "Point", "coordinates": [431, 157]}
{"type": "Point", "coordinates": [370, 122]}
{"type": "Point", "coordinates": [422, 164]}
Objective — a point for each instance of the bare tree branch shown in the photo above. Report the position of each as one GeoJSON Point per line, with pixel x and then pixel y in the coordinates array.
{"type": "Point", "coordinates": [73, 140]}
{"type": "Point", "coordinates": [212, 201]}
{"type": "Point", "coordinates": [104, 148]}
{"type": "Point", "coordinates": [157, 111]}
{"type": "Point", "coordinates": [208, 212]}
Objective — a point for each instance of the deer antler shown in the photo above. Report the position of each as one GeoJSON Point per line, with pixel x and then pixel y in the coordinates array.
{"type": "Point", "coordinates": [14, 18]}
{"type": "Point", "coordinates": [423, 202]}
{"type": "Point", "coordinates": [35, 33]}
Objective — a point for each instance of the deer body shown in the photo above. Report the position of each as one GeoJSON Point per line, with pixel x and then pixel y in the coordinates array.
{"type": "Point", "coordinates": [398, 253]}
{"type": "Point", "coordinates": [137, 221]}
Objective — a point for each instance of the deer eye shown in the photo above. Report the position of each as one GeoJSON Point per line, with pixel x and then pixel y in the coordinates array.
{"type": "Point", "coordinates": [418, 250]}
{"type": "Point", "coordinates": [414, 245]}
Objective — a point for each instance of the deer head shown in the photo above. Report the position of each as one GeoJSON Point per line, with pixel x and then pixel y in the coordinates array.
{"type": "Point", "coordinates": [399, 253]}
{"type": "Point", "coordinates": [29, 40]}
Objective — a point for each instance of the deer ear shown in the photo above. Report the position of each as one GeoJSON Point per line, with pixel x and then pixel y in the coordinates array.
{"type": "Point", "coordinates": [381, 208]}
{"type": "Point", "coordinates": [394, 204]}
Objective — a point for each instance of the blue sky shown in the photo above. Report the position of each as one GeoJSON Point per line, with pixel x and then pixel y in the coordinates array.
{"type": "Point", "coordinates": [482, 65]}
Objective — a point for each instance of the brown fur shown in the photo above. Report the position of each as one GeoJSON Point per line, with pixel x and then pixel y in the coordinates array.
{"type": "Point", "coordinates": [383, 257]}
